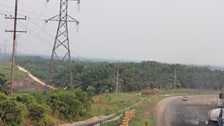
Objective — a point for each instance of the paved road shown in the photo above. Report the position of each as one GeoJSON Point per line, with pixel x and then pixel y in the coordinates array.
{"type": "Point", "coordinates": [175, 112]}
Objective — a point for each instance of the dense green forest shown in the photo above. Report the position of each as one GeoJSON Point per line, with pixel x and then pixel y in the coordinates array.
{"type": "Point", "coordinates": [132, 76]}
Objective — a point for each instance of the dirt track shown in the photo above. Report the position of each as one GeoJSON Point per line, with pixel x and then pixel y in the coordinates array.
{"type": "Point", "coordinates": [34, 78]}
{"type": "Point", "coordinates": [175, 112]}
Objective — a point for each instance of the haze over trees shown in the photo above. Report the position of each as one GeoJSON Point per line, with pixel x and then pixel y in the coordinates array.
{"type": "Point", "coordinates": [132, 76]}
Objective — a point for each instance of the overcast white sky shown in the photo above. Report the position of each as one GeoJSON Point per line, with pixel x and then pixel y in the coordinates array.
{"type": "Point", "coordinates": [174, 31]}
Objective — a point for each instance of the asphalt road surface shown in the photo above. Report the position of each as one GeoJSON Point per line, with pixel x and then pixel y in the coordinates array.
{"type": "Point", "coordinates": [174, 111]}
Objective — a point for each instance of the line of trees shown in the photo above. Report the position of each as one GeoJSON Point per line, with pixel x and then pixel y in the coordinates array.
{"type": "Point", "coordinates": [132, 76]}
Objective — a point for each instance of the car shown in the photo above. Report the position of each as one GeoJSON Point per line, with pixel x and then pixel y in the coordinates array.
{"type": "Point", "coordinates": [184, 98]}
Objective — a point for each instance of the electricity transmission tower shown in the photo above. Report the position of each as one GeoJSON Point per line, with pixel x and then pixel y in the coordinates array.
{"type": "Point", "coordinates": [15, 18]}
{"type": "Point", "coordinates": [61, 44]}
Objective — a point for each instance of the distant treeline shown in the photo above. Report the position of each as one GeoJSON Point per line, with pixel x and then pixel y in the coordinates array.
{"type": "Point", "coordinates": [131, 76]}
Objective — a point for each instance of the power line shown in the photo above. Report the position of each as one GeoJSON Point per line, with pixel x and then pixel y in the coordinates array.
{"type": "Point", "coordinates": [22, 12]}
{"type": "Point", "coordinates": [10, 12]}
{"type": "Point", "coordinates": [5, 12]}
{"type": "Point", "coordinates": [30, 19]}
{"type": "Point", "coordinates": [35, 35]}
{"type": "Point", "coordinates": [2, 13]}
{"type": "Point", "coordinates": [43, 29]}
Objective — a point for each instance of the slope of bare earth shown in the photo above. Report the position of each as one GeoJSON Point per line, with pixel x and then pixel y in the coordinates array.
{"type": "Point", "coordinates": [24, 81]}
{"type": "Point", "coordinates": [27, 85]}
{"type": "Point", "coordinates": [31, 84]}
{"type": "Point", "coordinates": [37, 80]}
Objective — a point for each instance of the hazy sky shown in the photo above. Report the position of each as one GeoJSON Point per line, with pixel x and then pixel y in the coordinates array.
{"type": "Point", "coordinates": [174, 31]}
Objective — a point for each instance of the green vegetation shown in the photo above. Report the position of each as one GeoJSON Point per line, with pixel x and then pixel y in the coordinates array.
{"type": "Point", "coordinates": [43, 109]}
{"type": "Point", "coordinates": [68, 105]}
{"type": "Point", "coordinates": [5, 69]}
{"type": "Point", "coordinates": [3, 84]}
{"type": "Point", "coordinates": [132, 76]}
{"type": "Point", "coordinates": [100, 78]}
{"type": "Point", "coordinates": [22, 83]}
{"type": "Point", "coordinates": [145, 112]}
{"type": "Point", "coordinates": [11, 112]}
{"type": "Point", "coordinates": [106, 104]}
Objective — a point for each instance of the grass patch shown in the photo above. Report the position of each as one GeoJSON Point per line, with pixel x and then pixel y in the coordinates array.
{"type": "Point", "coordinates": [145, 112]}
{"type": "Point", "coordinates": [5, 68]}
{"type": "Point", "coordinates": [183, 91]}
{"type": "Point", "coordinates": [111, 103]}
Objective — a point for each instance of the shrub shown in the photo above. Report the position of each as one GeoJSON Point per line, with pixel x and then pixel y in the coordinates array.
{"type": "Point", "coordinates": [2, 96]}
{"type": "Point", "coordinates": [37, 111]}
{"type": "Point", "coordinates": [12, 113]}
{"type": "Point", "coordinates": [65, 104]}
{"type": "Point", "coordinates": [39, 97]}
{"type": "Point", "coordinates": [84, 98]}
{"type": "Point", "coordinates": [3, 84]}
{"type": "Point", "coordinates": [24, 98]}
{"type": "Point", "coordinates": [47, 121]}
{"type": "Point", "coordinates": [90, 91]}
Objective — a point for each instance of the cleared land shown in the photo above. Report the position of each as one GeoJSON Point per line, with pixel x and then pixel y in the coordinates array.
{"type": "Point", "coordinates": [23, 83]}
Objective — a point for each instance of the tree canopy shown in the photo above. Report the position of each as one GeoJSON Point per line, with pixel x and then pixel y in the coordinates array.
{"type": "Point", "coordinates": [132, 76]}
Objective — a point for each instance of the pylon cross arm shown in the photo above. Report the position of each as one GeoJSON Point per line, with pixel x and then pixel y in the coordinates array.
{"type": "Point", "coordinates": [54, 18]}
{"type": "Point", "coordinates": [57, 18]}
{"type": "Point", "coordinates": [71, 19]}
{"type": "Point", "coordinates": [78, 1]}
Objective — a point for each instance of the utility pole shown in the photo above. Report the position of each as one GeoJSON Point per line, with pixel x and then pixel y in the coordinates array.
{"type": "Point", "coordinates": [0, 51]}
{"type": "Point", "coordinates": [175, 77]}
{"type": "Point", "coordinates": [117, 79]}
{"type": "Point", "coordinates": [15, 18]}
{"type": "Point", "coordinates": [62, 42]}
{"type": "Point", "coordinates": [4, 48]}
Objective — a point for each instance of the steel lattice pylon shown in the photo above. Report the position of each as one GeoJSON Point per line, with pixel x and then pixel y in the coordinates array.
{"type": "Point", "coordinates": [61, 43]}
